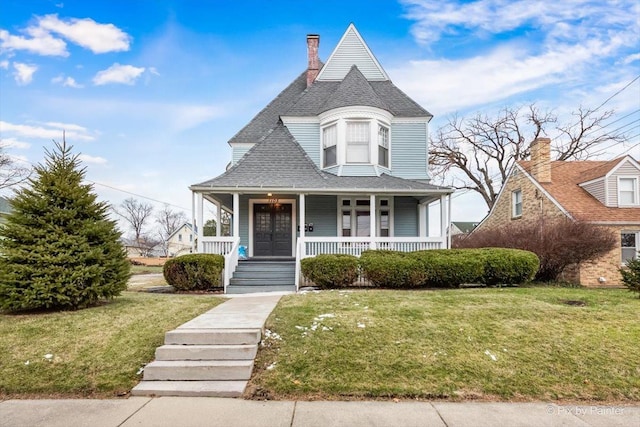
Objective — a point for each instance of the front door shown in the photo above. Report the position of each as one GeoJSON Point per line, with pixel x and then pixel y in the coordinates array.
{"type": "Point", "coordinates": [272, 230]}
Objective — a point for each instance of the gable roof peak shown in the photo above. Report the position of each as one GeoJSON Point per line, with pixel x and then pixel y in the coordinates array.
{"type": "Point", "coordinates": [352, 50]}
{"type": "Point", "coordinates": [354, 90]}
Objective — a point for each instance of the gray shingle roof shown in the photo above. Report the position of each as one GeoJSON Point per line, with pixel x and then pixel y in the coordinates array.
{"type": "Point", "coordinates": [278, 162]}
{"type": "Point", "coordinates": [266, 119]}
{"type": "Point", "coordinates": [353, 90]}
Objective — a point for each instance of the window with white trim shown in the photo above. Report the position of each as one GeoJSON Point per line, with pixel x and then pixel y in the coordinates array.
{"type": "Point", "coordinates": [627, 191]}
{"type": "Point", "coordinates": [629, 245]}
{"type": "Point", "coordinates": [358, 142]}
{"type": "Point", "coordinates": [355, 217]}
{"type": "Point", "coordinates": [329, 145]}
{"type": "Point", "coordinates": [516, 202]}
{"type": "Point", "coordinates": [383, 146]}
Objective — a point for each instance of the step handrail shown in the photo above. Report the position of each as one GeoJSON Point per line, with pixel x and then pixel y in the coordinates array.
{"type": "Point", "coordinates": [231, 262]}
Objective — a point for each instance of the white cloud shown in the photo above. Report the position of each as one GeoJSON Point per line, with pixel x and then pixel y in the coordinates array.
{"type": "Point", "coordinates": [40, 42]}
{"type": "Point", "coordinates": [92, 159]}
{"type": "Point", "coordinates": [74, 132]}
{"type": "Point", "coordinates": [497, 16]}
{"type": "Point", "coordinates": [67, 82]}
{"type": "Point", "coordinates": [4, 65]}
{"type": "Point", "coordinates": [124, 74]}
{"type": "Point", "coordinates": [67, 126]}
{"type": "Point", "coordinates": [23, 73]}
{"type": "Point", "coordinates": [189, 116]}
{"type": "Point", "coordinates": [99, 38]}
{"type": "Point", "coordinates": [631, 58]}
{"type": "Point", "coordinates": [14, 143]}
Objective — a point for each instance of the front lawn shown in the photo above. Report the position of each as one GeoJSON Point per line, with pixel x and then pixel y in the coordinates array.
{"type": "Point", "coordinates": [507, 344]}
{"type": "Point", "coordinates": [96, 352]}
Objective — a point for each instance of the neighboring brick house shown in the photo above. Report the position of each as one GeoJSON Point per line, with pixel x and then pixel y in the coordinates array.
{"type": "Point", "coordinates": [605, 193]}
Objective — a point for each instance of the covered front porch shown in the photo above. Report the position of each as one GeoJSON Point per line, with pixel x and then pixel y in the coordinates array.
{"type": "Point", "coordinates": [276, 224]}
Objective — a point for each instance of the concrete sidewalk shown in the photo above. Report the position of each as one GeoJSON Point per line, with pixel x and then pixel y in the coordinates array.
{"type": "Point", "coordinates": [208, 411]}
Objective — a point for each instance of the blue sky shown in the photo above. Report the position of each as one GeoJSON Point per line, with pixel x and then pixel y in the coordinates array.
{"type": "Point", "coordinates": [149, 91]}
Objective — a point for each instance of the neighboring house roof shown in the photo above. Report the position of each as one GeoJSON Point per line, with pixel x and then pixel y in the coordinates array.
{"type": "Point", "coordinates": [465, 227]}
{"type": "Point", "coordinates": [186, 224]}
{"type": "Point", "coordinates": [565, 190]}
{"type": "Point", "coordinates": [278, 161]}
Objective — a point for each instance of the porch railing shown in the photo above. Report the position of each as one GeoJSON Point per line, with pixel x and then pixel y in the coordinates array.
{"type": "Point", "coordinates": [227, 246]}
{"type": "Point", "coordinates": [312, 246]}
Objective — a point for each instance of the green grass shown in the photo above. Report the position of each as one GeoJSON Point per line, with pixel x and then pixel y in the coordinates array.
{"type": "Point", "coordinates": [439, 344]}
{"type": "Point", "coordinates": [146, 269]}
{"type": "Point", "coordinates": [97, 352]}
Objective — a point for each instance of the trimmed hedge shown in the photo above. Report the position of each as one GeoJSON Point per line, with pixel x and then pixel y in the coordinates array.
{"type": "Point", "coordinates": [448, 267]}
{"type": "Point", "coordinates": [194, 272]}
{"type": "Point", "coordinates": [330, 271]}
{"type": "Point", "coordinates": [392, 269]}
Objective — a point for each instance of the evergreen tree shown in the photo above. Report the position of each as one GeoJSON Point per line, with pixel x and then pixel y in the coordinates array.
{"type": "Point", "coordinates": [58, 249]}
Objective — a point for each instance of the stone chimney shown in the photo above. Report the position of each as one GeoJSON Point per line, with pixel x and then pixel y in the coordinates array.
{"type": "Point", "coordinates": [541, 159]}
{"type": "Point", "coordinates": [313, 41]}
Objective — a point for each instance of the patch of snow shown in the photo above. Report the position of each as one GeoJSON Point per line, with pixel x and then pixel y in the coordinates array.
{"type": "Point", "coordinates": [26, 363]}
{"type": "Point", "coordinates": [361, 325]}
{"type": "Point", "coordinates": [270, 367]}
{"type": "Point", "coordinates": [48, 356]}
{"type": "Point", "coordinates": [141, 370]}
{"type": "Point", "coordinates": [326, 316]}
{"type": "Point", "coordinates": [491, 355]}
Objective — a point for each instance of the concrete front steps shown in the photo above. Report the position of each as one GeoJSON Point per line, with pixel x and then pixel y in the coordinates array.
{"type": "Point", "coordinates": [211, 355]}
{"type": "Point", "coordinates": [263, 275]}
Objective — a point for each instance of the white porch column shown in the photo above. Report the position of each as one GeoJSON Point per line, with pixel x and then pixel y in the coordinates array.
{"type": "Point", "coordinates": [372, 221]}
{"type": "Point", "coordinates": [193, 222]}
{"type": "Point", "coordinates": [302, 215]}
{"type": "Point", "coordinates": [423, 209]}
{"type": "Point", "coordinates": [218, 218]}
{"type": "Point", "coordinates": [199, 223]}
{"type": "Point", "coordinates": [236, 215]}
{"type": "Point", "coordinates": [443, 218]}
{"type": "Point", "coordinates": [449, 223]}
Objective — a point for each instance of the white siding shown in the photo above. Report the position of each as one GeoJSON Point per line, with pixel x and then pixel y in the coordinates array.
{"type": "Point", "coordinates": [409, 150]}
{"type": "Point", "coordinates": [351, 51]}
{"type": "Point", "coordinates": [596, 189]}
{"type": "Point", "coordinates": [627, 169]}
{"type": "Point", "coordinates": [308, 136]}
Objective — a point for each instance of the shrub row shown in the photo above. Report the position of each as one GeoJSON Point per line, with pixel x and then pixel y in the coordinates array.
{"type": "Point", "coordinates": [194, 272]}
{"type": "Point", "coordinates": [434, 268]}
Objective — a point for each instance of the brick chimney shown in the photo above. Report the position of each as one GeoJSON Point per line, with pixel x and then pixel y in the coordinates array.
{"type": "Point", "coordinates": [313, 41]}
{"type": "Point", "coordinates": [541, 159]}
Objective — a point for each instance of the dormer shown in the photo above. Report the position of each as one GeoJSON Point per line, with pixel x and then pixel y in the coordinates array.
{"type": "Point", "coordinates": [615, 183]}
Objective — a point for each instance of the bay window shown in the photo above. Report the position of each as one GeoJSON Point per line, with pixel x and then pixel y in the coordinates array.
{"type": "Point", "coordinates": [383, 146]}
{"type": "Point", "coordinates": [358, 142]}
{"type": "Point", "coordinates": [329, 145]}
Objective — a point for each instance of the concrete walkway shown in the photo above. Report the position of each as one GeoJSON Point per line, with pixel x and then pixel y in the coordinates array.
{"type": "Point", "coordinates": [211, 355]}
{"type": "Point", "coordinates": [210, 411]}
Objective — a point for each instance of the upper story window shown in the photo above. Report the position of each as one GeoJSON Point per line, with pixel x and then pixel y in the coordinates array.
{"type": "Point", "coordinates": [383, 145]}
{"type": "Point", "coordinates": [179, 237]}
{"type": "Point", "coordinates": [356, 136]}
{"type": "Point", "coordinates": [627, 191]}
{"type": "Point", "coordinates": [358, 142]}
{"type": "Point", "coordinates": [516, 204]}
{"type": "Point", "coordinates": [329, 145]}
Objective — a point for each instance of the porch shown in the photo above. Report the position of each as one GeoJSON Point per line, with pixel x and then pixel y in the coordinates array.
{"type": "Point", "coordinates": [300, 225]}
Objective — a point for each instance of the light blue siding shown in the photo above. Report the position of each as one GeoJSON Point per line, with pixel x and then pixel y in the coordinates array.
{"type": "Point", "coordinates": [351, 51]}
{"type": "Point", "coordinates": [308, 136]}
{"type": "Point", "coordinates": [409, 150]}
{"type": "Point", "coordinates": [237, 152]}
{"type": "Point", "coordinates": [322, 211]}
{"type": "Point", "coordinates": [405, 221]}
{"type": "Point", "coordinates": [358, 170]}
{"type": "Point", "coordinates": [244, 220]}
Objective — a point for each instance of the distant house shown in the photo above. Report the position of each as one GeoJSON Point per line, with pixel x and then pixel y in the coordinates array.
{"type": "Point", "coordinates": [460, 227]}
{"type": "Point", "coordinates": [605, 193]}
{"type": "Point", "coordinates": [5, 209]}
{"type": "Point", "coordinates": [338, 162]}
{"type": "Point", "coordinates": [181, 240]}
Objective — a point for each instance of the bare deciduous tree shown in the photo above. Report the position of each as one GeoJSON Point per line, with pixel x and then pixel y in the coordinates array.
{"type": "Point", "coordinates": [482, 149]}
{"type": "Point", "coordinates": [11, 173]}
{"type": "Point", "coordinates": [136, 214]}
{"type": "Point", "coordinates": [169, 221]}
